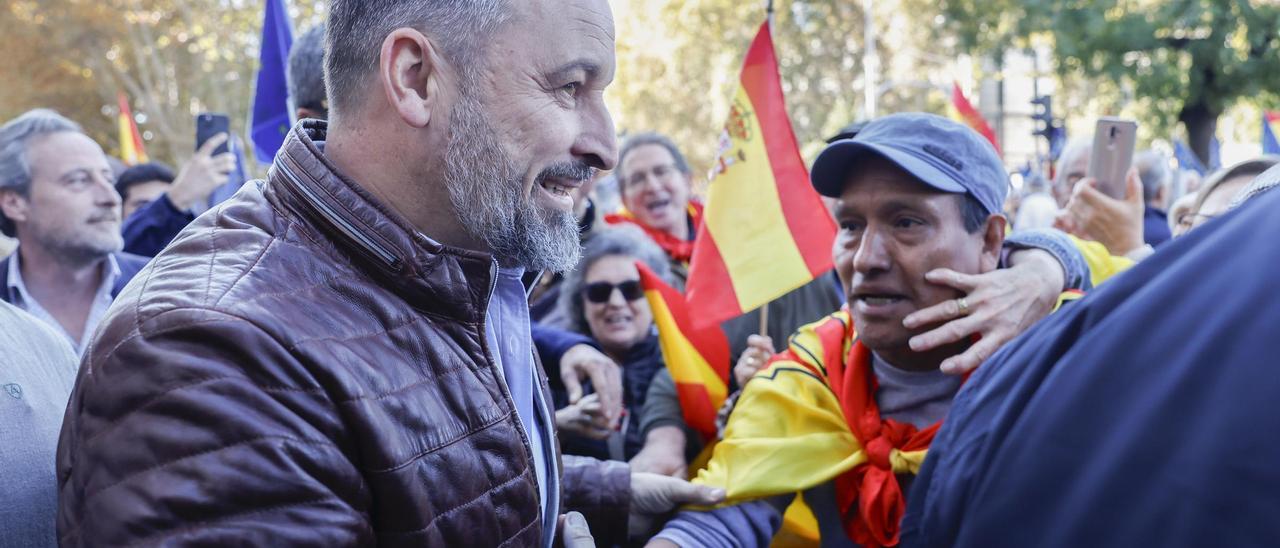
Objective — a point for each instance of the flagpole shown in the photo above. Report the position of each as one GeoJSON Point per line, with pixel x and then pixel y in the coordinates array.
{"type": "Point", "coordinates": [768, 10]}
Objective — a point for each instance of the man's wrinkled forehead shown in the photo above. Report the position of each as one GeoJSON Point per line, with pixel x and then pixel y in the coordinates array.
{"type": "Point", "coordinates": [583, 28]}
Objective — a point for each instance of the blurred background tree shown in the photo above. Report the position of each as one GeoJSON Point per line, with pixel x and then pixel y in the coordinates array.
{"type": "Point", "coordinates": [172, 58]}
{"type": "Point", "coordinates": [1186, 61]}
{"type": "Point", "coordinates": [678, 65]}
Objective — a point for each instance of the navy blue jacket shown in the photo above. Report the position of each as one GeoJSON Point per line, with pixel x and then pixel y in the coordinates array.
{"type": "Point", "coordinates": [1142, 415]}
{"type": "Point", "coordinates": [130, 265]}
{"type": "Point", "coordinates": [151, 228]}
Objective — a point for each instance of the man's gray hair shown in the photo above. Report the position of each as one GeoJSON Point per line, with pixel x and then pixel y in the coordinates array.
{"type": "Point", "coordinates": [624, 240]}
{"type": "Point", "coordinates": [1153, 169]}
{"type": "Point", "coordinates": [306, 71]}
{"type": "Point", "coordinates": [1072, 152]}
{"type": "Point", "coordinates": [356, 29]}
{"type": "Point", "coordinates": [650, 138]}
{"type": "Point", "coordinates": [15, 172]}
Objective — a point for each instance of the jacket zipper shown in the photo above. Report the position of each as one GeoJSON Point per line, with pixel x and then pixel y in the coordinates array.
{"type": "Point", "coordinates": [342, 224]}
{"type": "Point", "coordinates": [506, 390]}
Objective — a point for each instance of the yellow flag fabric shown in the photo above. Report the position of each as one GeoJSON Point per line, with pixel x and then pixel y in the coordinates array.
{"type": "Point", "coordinates": [1102, 264]}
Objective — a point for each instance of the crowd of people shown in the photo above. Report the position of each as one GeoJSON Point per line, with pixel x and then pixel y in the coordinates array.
{"type": "Point", "coordinates": [426, 326]}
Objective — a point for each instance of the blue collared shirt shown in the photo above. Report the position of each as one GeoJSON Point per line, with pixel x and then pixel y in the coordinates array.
{"type": "Point", "coordinates": [508, 330]}
{"type": "Point", "coordinates": [21, 298]}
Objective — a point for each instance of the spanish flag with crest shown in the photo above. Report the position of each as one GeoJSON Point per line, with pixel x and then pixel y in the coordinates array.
{"type": "Point", "coordinates": [765, 230]}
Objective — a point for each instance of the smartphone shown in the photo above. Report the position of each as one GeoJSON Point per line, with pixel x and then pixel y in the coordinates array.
{"type": "Point", "coordinates": [1113, 142]}
{"type": "Point", "coordinates": [209, 124]}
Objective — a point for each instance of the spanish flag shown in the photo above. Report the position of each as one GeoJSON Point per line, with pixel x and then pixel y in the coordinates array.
{"type": "Point", "coordinates": [966, 114]}
{"type": "Point", "coordinates": [698, 359]}
{"type": "Point", "coordinates": [765, 231]}
{"type": "Point", "coordinates": [132, 152]}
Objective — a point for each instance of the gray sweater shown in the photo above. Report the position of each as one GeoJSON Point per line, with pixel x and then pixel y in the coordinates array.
{"type": "Point", "coordinates": [37, 371]}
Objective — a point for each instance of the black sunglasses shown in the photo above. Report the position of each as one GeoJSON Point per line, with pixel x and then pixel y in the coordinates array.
{"type": "Point", "coordinates": [600, 292]}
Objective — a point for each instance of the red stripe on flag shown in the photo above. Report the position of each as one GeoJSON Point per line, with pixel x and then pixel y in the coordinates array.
{"type": "Point", "coordinates": [1271, 115]}
{"type": "Point", "coordinates": [710, 343]}
{"type": "Point", "coordinates": [811, 228]}
{"type": "Point", "coordinates": [717, 298]}
{"type": "Point", "coordinates": [695, 403]}
{"type": "Point", "coordinates": [971, 116]}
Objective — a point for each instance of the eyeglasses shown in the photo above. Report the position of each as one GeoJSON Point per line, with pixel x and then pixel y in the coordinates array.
{"type": "Point", "coordinates": [658, 173]}
{"type": "Point", "coordinates": [1187, 220]}
{"type": "Point", "coordinates": [600, 292]}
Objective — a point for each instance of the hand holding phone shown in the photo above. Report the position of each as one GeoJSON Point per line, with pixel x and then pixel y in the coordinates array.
{"type": "Point", "coordinates": [209, 124]}
{"type": "Point", "coordinates": [1113, 143]}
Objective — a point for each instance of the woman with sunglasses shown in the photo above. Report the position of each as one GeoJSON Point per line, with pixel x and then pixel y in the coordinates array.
{"type": "Point", "coordinates": [602, 299]}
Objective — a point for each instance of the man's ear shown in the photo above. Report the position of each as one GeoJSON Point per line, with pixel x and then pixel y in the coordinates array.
{"type": "Point", "coordinates": [410, 71]}
{"type": "Point", "coordinates": [15, 206]}
{"type": "Point", "coordinates": [992, 241]}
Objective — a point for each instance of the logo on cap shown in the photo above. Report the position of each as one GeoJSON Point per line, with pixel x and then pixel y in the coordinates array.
{"type": "Point", "coordinates": [945, 156]}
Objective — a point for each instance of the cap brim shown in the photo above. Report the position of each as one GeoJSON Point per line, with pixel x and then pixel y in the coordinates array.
{"type": "Point", "coordinates": [831, 169]}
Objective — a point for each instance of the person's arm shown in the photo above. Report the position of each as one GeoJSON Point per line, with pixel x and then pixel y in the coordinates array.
{"type": "Point", "coordinates": [1075, 270]}
{"type": "Point", "coordinates": [601, 491]}
{"type": "Point", "coordinates": [741, 525]}
{"type": "Point", "coordinates": [151, 228]}
{"type": "Point", "coordinates": [224, 446]}
{"type": "Point", "coordinates": [662, 410]}
{"type": "Point", "coordinates": [663, 452]}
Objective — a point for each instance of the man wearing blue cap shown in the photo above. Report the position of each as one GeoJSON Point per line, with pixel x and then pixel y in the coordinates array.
{"type": "Point", "coordinates": [850, 409]}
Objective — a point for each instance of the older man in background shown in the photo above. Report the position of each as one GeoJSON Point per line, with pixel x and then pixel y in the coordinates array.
{"type": "Point", "coordinates": [57, 197]}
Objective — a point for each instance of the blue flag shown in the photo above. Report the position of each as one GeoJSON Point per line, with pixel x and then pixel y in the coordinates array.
{"type": "Point", "coordinates": [1269, 143]}
{"type": "Point", "coordinates": [1186, 158]}
{"type": "Point", "coordinates": [272, 116]}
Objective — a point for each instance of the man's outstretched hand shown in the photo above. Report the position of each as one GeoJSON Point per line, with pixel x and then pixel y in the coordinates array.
{"type": "Point", "coordinates": [654, 496]}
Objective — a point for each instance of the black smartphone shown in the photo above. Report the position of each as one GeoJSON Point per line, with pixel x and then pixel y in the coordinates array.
{"type": "Point", "coordinates": [209, 124]}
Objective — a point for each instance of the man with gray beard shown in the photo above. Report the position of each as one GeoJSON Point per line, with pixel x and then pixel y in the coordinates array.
{"type": "Point", "coordinates": [340, 355]}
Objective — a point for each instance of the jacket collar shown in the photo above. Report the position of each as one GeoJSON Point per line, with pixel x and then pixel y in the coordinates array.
{"type": "Point", "coordinates": [443, 280]}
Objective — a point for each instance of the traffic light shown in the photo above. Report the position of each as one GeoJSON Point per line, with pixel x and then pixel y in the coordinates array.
{"type": "Point", "coordinates": [1043, 116]}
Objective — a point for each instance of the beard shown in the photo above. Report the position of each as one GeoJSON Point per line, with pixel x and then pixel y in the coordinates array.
{"type": "Point", "coordinates": [487, 192]}
{"type": "Point", "coordinates": [79, 244]}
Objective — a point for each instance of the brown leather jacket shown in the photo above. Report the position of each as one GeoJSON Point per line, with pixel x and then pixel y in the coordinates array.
{"type": "Point", "coordinates": [302, 368]}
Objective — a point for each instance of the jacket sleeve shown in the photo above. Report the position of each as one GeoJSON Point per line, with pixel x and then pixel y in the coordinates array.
{"type": "Point", "coordinates": [195, 427]}
{"type": "Point", "coordinates": [601, 491]}
{"type": "Point", "coordinates": [151, 228]}
{"type": "Point", "coordinates": [1074, 268]}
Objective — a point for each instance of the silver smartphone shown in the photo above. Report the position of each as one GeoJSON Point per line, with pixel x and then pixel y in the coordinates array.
{"type": "Point", "coordinates": [1113, 142]}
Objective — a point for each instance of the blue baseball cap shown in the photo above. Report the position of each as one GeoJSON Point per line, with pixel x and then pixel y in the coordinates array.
{"type": "Point", "coordinates": [941, 153]}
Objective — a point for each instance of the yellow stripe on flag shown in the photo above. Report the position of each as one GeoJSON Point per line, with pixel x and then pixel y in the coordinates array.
{"type": "Point", "coordinates": [682, 357]}
{"type": "Point", "coordinates": [748, 217]}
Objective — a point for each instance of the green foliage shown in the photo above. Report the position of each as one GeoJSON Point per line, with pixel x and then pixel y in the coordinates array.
{"type": "Point", "coordinates": [1188, 60]}
{"type": "Point", "coordinates": [173, 58]}
{"type": "Point", "coordinates": [678, 65]}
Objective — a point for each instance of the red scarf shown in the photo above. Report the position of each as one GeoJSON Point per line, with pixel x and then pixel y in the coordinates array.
{"type": "Point", "coordinates": [870, 500]}
{"type": "Point", "coordinates": [677, 249]}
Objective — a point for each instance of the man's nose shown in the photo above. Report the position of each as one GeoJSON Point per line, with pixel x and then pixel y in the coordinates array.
{"type": "Point", "coordinates": [105, 191]}
{"type": "Point", "coordinates": [597, 145]}
{"type": "Point", "coordinates": [872, 254]}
